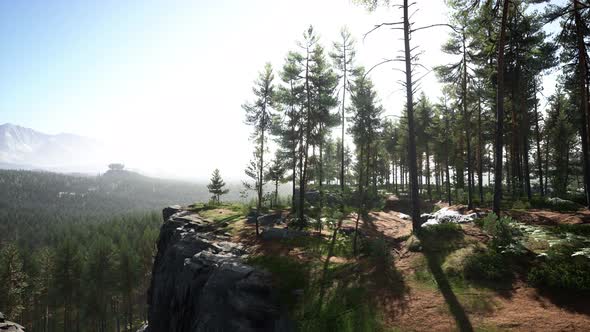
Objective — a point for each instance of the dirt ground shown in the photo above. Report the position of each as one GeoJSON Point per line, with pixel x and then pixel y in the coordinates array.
{"type": "Point", "coordinates": [411, 305]}
{"type": "Point", "coordinates": [518, 308]}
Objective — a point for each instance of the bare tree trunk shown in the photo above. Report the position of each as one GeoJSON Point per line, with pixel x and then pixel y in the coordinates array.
{"type": "Point", "coordinates": [361, 201]}
{"type": "Point", "coordinates": [428, 173]}
{"type": "Point", "coordinates": [538, 139]}
{"type": "Point", "coordinates": [525, 156]}
{"type": "Point", "coordinates": [467, 128]}
{"type": "Point", "coordinates": [410, 114]}
{"type": "Point", "coordinates": [343, 123]}
{"type": "Point", "coordinates": [259, 203]}
{"type": "Point", "coordinates": [302, 177]}
{"type": "Point", "coordinates": [321, 177]}
{"type": "Point", "coordinates": [479, 153]}
{"type": "Point", "coordinates": [583, 71]}
{"type": "Point", "coordinates": [500, 113]}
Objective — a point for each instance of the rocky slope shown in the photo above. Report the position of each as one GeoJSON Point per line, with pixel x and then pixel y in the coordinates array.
{"type": "Point", "coordinates": [200, 282]}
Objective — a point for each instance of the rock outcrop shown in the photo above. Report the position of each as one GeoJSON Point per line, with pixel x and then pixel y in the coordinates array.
{"type": "Point", "coordinates": [8, 326]}
{"type": "Point", "coordinates": [201, 283]}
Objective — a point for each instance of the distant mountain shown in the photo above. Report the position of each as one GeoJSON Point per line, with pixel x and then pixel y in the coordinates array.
{"type": "Point", "coordinates": [25, 148]}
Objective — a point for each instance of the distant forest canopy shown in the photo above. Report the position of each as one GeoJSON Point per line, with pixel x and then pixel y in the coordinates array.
{"type": "Point", "coordinates": [114, 192]}
{"type": "Point", "coordinates": [486, 142]}
{"type": "Point", "coordinates": [73, 243]}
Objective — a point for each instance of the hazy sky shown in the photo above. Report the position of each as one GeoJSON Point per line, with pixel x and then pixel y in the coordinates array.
{"type": "Point", "coordinates": [164, 80]}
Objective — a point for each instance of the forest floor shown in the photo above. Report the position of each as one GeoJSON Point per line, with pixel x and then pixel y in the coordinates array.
{"type": "Point", "coordinates": [410, 289]}
{"type": "Point", "coordinates": [434, 302]}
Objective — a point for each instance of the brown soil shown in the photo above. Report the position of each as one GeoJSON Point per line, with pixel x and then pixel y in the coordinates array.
{"type": "Point", "coordinates": [545, 217]}
{"type": "Point", "coordinates": [518, 308]}
{"type": "Point", "coordinates": [410, 305]}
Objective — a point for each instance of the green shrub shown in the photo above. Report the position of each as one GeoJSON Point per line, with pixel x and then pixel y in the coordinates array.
{"type": "Point", "coordinates": [501, 229]}
{"type": "Point", "coordinates": [441, 237]}
{"type": "Point", "coordinates": [570, 274]}
{"type": "Point", "coordinates": [521, 205]}
{"type": "Point", "coordinates": [555, 204]}
{"type": "Point", "coordinates": [442, 230]}
{"type": "Point", "coordinates": [562, 271]}
{"type": "Point", "coordinates": [583, 229]}
{"type": "Point", "coordinates": [488, 197]}
{"type": "Point", "coordinates": [562, 205]}
{"type": "Point", "coordinates": [376, 248]}
{"type": "Point", "coordinates": [488, 265]}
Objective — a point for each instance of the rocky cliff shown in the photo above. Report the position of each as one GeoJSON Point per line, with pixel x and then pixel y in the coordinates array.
{"type": "Point", "coordinates": [201, 283]}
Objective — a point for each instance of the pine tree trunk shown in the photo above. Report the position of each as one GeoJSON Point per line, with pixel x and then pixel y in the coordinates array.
{"type": "Point", "coordinates": [343, 125]}
{"type": "Point", "coordinates": [259, 203]}
{"type": "Point", "coordinates": [321, 178]}
{"type": "Point", "coordinates": [276, 192]}
{"type": "Point", "coordinates": [514, 151]}
{"type": "Point", "coordinates": [410, 117]}
{"type": "Point", "coordinates": [538, 141]}
{"type": "Point", "coordinates": [361, 201]}
{"type": "Point", "coordinates": [479, 153]}
{"type": "Point", "coordinates": [525, 158]}
{"type": "Point", "coordinates": [395, 179]}
{"type": "Point", "coordinates": [449, 198]}
{"type": "Point", "coordinates": [546, 164]}
{"type": "Point", "coordinates": [467, 129]}
{"type": "Point", "coordinates": [294, 180]}
{"type": "Point", "coordinates": [583, 71]}
{"type": "Point", "coordinates": [428, 189]}
{"type": "Point", "coordinates": [500, 113]}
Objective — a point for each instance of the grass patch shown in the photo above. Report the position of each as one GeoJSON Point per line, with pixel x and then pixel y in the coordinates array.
{"type": "Point", "coordinates": [323, 295]}
{"type": "Point", "coordinates": [221, 214]}
{"type": "Point", "coordinates": [442, 238]}
{"type": "Point", "coordinates": [422, 275]}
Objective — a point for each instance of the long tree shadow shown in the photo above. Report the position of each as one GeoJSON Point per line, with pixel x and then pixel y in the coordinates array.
{"type": "Point", "coordinates": [434, 264]}
{"type": "Point", "coordinates": [373, 270]}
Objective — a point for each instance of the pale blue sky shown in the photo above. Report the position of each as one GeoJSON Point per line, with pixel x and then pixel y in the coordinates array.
{"type": "Point", "coordinates": [165, 79]}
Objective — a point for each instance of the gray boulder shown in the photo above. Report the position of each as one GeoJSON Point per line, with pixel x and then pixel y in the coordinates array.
{"type": "Point", "coordinates": [8, 326]}
{"type": "Point", "coordinates": [171, 210]}
{"type": "Point", "coordinates": [270, 219]}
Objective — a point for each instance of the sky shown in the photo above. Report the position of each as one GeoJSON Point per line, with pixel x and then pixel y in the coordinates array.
{"type": "Point", "coordinates": [162, 81]}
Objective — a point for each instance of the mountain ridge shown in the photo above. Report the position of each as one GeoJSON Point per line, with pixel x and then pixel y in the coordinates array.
{"type": "Point", "coordinates": [27, 148]}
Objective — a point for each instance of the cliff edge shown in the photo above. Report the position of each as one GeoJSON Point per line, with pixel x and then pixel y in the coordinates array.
{"type": "Point", "coordinates": [201, 283]}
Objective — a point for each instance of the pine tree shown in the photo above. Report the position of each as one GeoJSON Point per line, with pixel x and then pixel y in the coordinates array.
{"type": "Point", "coordinates": [366, 123]}
{"type": "Point", "coordinates": [216, 186]}
{"type": "Point", "coordinates": [276, 174]}
{"type": "Point", "coordinates": [67, 274]}
{"type": "Point", "coordinates": [259, 115]}
{"type": "Point", "coordinates": [12, 282]}
{"type": "Point", "coordinates": [44, 282]}
{"type": "Point", "coordinates": [289, 127]}
{"type": "Point", "coordinates": [343, 57]}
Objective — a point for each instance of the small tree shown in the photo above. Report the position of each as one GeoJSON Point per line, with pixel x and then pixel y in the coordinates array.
{"type": "Point", "coordinates": [276, 174]}
{"type": "Point", "coordinates": [251, 171]}
{"type": "Point", "coordinates": [216, 187]}
{"type": "Point", "coordinates": [116, 167]}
